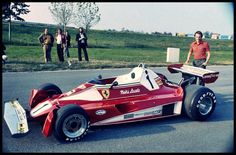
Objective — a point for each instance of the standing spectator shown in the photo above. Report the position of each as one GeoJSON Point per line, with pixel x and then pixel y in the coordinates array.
{"type": "Point", "coordinates": [46, 39]}
{"type": "Point", "coordinates": [81, 38]}
{"type": "Point", "coordinates": [67, 46]}
{"type": "Point", "coordinates": [61, 41]}
{"type": "Point", "coordinates": [199, 48]}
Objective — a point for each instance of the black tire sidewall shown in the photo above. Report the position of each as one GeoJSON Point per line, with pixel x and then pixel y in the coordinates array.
{"type": "Point", "coordinates": [51, 88]}
{"type": "Point", "coordinates": [194, 94]}
{"type": "Point", "coordinates": [62, 114]}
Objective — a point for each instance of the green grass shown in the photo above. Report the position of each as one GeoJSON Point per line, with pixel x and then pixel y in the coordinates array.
{"type": "Point", "coordinates": [30, 58]}
{"type": "Point", "coordinates": [107, 49]}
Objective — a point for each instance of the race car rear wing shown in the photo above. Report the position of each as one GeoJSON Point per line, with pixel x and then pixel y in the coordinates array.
{"type": "Point", "coordinates": [207, 75]}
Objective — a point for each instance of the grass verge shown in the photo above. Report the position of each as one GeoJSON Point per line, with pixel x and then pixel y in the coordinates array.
{"type": "Point", "coordinates": [30, 58]}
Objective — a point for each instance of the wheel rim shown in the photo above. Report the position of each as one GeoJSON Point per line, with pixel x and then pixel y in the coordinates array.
{"type": "Point", "coordinates": [74, 125]}
{"type": "Point", "coordinates": [205, 106]}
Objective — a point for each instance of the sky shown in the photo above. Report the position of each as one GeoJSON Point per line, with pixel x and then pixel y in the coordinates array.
{"type": "Point", "coordinates": [179, 17]}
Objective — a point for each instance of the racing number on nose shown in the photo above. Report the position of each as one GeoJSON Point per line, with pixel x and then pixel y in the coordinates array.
{"type": "Point", "coordinates": [105, 93]}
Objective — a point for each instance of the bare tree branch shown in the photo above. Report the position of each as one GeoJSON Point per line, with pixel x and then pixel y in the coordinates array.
{"type": "Point", "coordinates": [62, 12]}
{"type": "Point", "coordinates": [86, 15]}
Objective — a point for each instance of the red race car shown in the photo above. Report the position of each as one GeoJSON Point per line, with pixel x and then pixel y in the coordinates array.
{"type": "Point", "coordinates": [139, 95]}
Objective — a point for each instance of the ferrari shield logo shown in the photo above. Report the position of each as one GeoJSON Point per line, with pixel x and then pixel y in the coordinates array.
{"type": "Point", "coordinates": [105, 93]}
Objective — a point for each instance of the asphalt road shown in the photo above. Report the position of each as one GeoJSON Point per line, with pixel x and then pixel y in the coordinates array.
{"type": "Point", "coordinates": [175, 134]}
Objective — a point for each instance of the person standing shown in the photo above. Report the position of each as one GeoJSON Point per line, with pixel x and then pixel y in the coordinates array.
{"type": "Point", "coordinates": [81, 39]}
{"type": "Point", "coordinates": [61, 41]}
{"type": "Point", "coordinates": [67, 46]}
{"type": "Point", "coordinates": [201, 51]}
{"type": "Point", "coordinates": [46, 39]}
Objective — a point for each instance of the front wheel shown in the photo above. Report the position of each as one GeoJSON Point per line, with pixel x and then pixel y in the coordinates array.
{"type": "Point", "coordinates": [199, 102]}
{"type": "Point", "coordinates": [49, 88]}
{"type": "Point", "coordinates": [72, 123]}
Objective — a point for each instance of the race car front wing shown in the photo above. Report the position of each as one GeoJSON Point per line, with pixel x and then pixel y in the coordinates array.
{"type": "Point", "coordinates": [15, 117]}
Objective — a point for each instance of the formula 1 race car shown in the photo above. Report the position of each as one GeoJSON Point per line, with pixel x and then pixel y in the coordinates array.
{"type": "Point", "coordinates": [139, 95]}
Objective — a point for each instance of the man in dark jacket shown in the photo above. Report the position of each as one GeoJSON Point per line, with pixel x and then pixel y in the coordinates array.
{"type": "Point", "coordinates": [81, 39]}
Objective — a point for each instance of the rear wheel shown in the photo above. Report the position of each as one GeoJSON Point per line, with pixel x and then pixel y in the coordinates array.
{"type": "Point", "coordinates": [72, 123]}
{"type": "Point", "coordinates": [199, 102]}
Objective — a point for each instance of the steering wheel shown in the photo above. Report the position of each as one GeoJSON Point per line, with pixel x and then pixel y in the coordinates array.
{"type": "Point", "coordinates": [142, 65]}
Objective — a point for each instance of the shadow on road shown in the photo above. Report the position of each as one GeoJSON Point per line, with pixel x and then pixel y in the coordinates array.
{"type": "Point", "coordinates": [134, 129]}
{"type": "Point", "coordinates": [224, 108]}
{"type": "Point", "coordinates": [124, 131]}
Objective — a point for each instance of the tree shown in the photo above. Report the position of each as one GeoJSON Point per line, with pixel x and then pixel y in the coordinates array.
{"type": "Point", "coordinates": [86, 15]}
{"type": "Point", "coordinates": [62, 13]}
{"type": "Point", "coordinates": [13, 10]}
